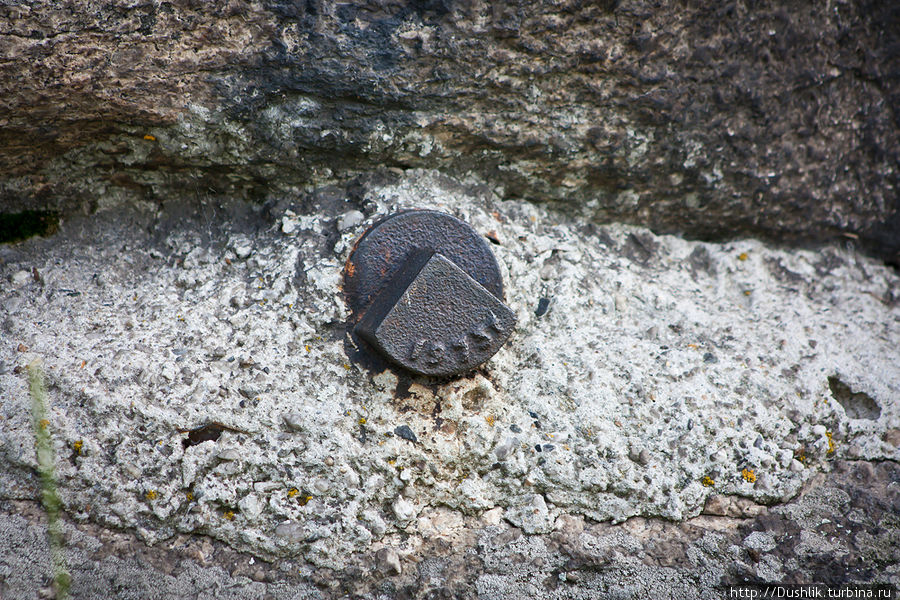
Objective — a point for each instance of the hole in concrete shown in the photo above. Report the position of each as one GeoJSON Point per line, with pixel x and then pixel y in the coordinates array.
{"type": "Point", "coordinates": [857, 405]}
{"type": "Point", "coordinates": [15, 227]}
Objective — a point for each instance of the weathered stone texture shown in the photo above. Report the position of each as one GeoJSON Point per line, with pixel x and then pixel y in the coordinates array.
{"type": "Point", "coordinates": [714, 119]}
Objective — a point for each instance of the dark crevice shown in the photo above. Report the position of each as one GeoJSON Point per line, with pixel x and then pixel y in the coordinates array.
{"type": "Point", "coordinates": [15, 227]}
{"type": "Point", "coordinates": [857, 405]}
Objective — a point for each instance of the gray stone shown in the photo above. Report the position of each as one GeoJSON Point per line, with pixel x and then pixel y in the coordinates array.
{"type": "Point", "coordinates": [292, 531]}
{"type": "Point", "coordinates": [388, 561]}
{"type": "Point", "coordinates": [349, 220]}
{"type": "Point", "coordinates": [714, 121]}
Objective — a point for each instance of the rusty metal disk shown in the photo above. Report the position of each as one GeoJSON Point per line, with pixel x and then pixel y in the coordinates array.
{"type": "Point", "coordinates": [426, 293]}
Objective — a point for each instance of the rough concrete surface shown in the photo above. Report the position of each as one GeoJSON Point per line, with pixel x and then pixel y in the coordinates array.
{"type": "Point", "coordinates": [668, 415]}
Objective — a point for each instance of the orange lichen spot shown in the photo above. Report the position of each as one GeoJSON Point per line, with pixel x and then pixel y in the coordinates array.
{"type": "Point", "coordinates": [830, 442]}
{"type": "Point", "coordinates": [346, 366]}
{"type": "Point", "coordinates": [151, 495]}
{"type": "Point", "coordinates": [743, 256]}
{"type": "Point", "coordinates": [293, 492]}
{"type": "Point", "coordinates": [83, 363]}
{"type": "Point", "coordinates": [747, 292]}
{"type": "Point", "coordinates": [362, 420]}
{"type": "Point", "coordinates": [748, 475]}
{"type": "Point", "coordinates": [150, 138]}
{"type": "Point", "coordinates": [77, 446]}
{"type": "Point", "coordinates": [707, 481]}
{"type": "Point", "coordinates": [490, 420]}
{"type": "Point", "coordinates": [44, 423]}
{"type": "Point", "coordinates": [229, 514]}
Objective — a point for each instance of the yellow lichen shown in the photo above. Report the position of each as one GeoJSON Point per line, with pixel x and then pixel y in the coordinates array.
{"type": "Point", "coordinates": [830, 442]}
{"type": "Point", "coordinates": [362, 420]}
{"type": "Point", "coordinates": [189, 496]}
{"type": "Point", "coordinates": [490, 420]}
{"type": "Point", "coordinates": [304, 500]}
{"type": "Point", "coordinates": [229, 514]}
{"type": "Point", "coordinates": [150, 138]}
{"type": "Point", "coordinates": [77, 446]}
{"type": "Point", "coordinates": [151, 495]}
{"type": "Point", "coordinates": [748, 475]}
{"type": "Point", "coordinates": [743, 256]}
{"type": "Point", "coordinates": [293, 492]}
{"type": "Point", "coordinates": [707, 481]}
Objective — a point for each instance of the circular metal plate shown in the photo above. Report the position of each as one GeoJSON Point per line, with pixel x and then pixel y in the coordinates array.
{"type": "Point", "coordinates": [385, 247]}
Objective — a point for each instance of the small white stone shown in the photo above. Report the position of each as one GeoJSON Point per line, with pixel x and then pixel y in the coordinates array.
{"type": "Point", "coordinates": [13, 305]}
{"type": "Point", "coordinates": [229, 454]}
{"type": "Point", "coordinates": [351, 479]}
{"type": "Point", "coordinates": [288, 225]}
{"type": "Point", "coordinates": [404, 510]}
{"type": "Point", "coordinates": [294, 421]}
{"type": "Point", "coordinates": [291, 531]}
{"type": "Point", "coordinates": [796, 466]}
{"type": "Point", "coordinates": [242, 246]}
{"type": "Point", "coordinates": [388, 561]}
{"type": "Point", "coordinates": [493, 516]}
{"type": "Point", "coordinates": [506, 448]}
{"type": "Point", "coordinates": [533, 517]}
{"type": "Point", "coordinates": [350, 219]}
{"type": "Point", "coordinates": [20, 278]}
{"type": "Point", "coordinates": [250, 506]}
{"type": "Point", "coordinates": [785, 457]}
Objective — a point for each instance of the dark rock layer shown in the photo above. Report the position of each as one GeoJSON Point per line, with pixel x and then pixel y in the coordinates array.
{"type": "Point", "coordinates": [711, 119]}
